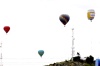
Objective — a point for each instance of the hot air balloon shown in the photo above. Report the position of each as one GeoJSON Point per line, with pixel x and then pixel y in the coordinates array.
{"type": "Point", "coordinates": [41, 52]}
{"type": "Point", "coordinates": [64, 18]}
{"type": "Point", "coordinates": [6, 29]}
{"type": "Point", "coordinates": [97, 62]}
{"type": "Point", "coordinates": [91, 14]}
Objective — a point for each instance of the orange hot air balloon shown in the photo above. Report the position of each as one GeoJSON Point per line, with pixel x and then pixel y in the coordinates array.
{"type": "Point", "coordinates": [6, 29]}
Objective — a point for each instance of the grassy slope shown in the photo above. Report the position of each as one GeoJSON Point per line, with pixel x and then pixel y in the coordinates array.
{"type": "Point", "coordinates": [70, 63]}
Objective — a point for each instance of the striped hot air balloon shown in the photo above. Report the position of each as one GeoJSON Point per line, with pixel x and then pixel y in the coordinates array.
{"type": "Point", "coordinates": [64, 18]}
{"type": "Point", "coordinates": [91, 14]}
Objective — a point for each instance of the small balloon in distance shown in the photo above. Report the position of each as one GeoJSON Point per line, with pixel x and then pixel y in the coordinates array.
{"type": "Point", "coordinates": [41, 52]}
{"type": "Point", "coordinates": [64, 18]}
{"type": "Point", "coordinates": [6, 29]}
{"type": "Point", "coordinates": [91, 14]}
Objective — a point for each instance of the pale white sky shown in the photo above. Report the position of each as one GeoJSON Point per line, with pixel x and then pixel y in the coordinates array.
{"type": "Point", "coordinates": [35, 25]}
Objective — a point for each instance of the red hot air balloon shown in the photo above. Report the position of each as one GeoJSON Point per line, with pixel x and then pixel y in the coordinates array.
{"type": "Point", "coordinates": [6, 29]}
{"type": "Point", "coordinates": [64, 18]}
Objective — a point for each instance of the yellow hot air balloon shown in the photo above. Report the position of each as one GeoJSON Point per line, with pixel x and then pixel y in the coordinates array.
{"type": "Point", "coordinates": [91, 14]}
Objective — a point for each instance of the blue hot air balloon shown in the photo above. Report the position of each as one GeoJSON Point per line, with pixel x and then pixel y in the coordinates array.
{"type": "Point", "coordinates": [97, 62]}
{"type": "Point", "coordinates": [41, 52]}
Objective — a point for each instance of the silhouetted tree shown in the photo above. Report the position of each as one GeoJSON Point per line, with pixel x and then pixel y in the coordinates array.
{"type": "Point", "coordinates": [90, 59]}
{"type": "Point", "coordinates": [82, 61]}
{"type": "Point", "coordinates": [66, 61]}
{"type": "Point", "coordinates": [77, 58]}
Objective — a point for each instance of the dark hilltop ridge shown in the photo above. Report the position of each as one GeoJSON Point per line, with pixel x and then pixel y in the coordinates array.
{"type": "Point", "coordinates": [77, 61]}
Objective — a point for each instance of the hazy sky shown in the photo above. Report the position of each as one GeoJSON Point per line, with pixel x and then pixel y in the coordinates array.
{"type": "Point", "coordinates": [35, 25]}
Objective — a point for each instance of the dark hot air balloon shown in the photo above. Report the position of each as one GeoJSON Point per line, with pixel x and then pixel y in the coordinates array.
{"type": "Point", "coordinates": [6, 29]}
{"type": "Point", "coordinates": [64, 18]}
{"type": "Point", "coordinates": [41, 52]}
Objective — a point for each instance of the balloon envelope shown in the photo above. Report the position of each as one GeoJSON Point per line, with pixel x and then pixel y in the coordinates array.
{"type": "Point", "coordinates": [6, 29]}
{"type": "Point", "coordinates": [64, 18]}
{"type": "Point", "coordinates": [91, 14]}
{"type": "Point", "coordinates": [97, 62]}
{"type": "Point", "coordinates": [41, 52]}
